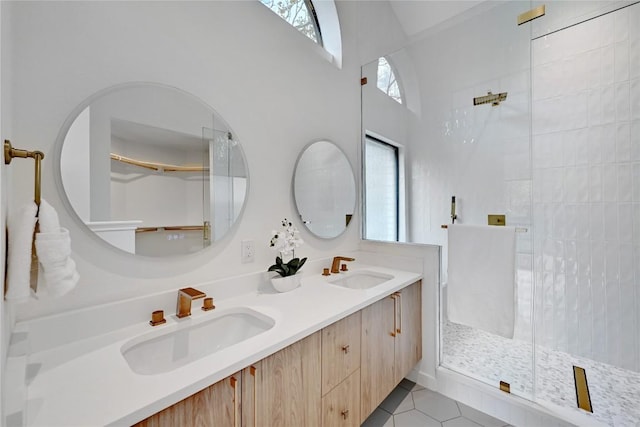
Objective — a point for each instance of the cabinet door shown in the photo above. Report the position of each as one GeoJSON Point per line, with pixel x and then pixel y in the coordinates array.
{"type": "Point", "coordinates": [408, 330]}
{"type": "Point", "coordinates": [340, 351]}
{"type": "Point", "coordinates": [377, 375]}
{"type": "Point", "coordinates": [341, 406]}
{"type": "Point", "coordinates": [216, 405]}
{"type": "Point", "coordinates": [288, 385]}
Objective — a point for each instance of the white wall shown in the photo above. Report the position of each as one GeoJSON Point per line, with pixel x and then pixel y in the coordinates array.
{"type": "Point", "coordinates": [273, 86]}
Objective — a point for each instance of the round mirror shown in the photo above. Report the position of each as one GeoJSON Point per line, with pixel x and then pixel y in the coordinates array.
{"type": "Point", "coordinates": [324, 189]}
{"type": "Point", "coordinates": [152, 170]}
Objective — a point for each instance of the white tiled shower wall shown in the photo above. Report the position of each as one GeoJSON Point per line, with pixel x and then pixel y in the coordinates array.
{"type": "Point", "coordinates": [586, 188]}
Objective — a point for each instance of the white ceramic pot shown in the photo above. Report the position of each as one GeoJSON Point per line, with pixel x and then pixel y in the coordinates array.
{"type": "Point", "coordinates": [286, 284]}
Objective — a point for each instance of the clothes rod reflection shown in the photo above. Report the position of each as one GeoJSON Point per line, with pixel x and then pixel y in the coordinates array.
{"type": "Point", "coordinates": [518, 229]}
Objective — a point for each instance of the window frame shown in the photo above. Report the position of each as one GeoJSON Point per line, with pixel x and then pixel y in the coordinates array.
{"type": "Point", "coordinates": [314, 20]}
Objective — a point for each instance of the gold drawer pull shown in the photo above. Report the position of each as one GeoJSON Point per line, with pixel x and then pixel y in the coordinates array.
{"type": "Point", "coordinates": [399, 329]}
{"type": "Point", "coordinates": [395, 313]}
{"type": "Point", "coordinates": [345, 348]}
{"type": "Point", "coordinates": [236, 402]}
{"type": "Point", "coordinates": [253, 370]}
{"type": "Point", "coordinates": [345, 414]}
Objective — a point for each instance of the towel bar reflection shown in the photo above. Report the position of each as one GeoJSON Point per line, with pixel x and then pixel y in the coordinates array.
{"type": "Point", "coordinates": [10, 153]}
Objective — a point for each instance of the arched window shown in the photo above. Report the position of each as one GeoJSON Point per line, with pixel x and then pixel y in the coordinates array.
{"type": "Point", "coordinates": [300, 14]}
{"type": "Point", "coordinates": [387, 81]}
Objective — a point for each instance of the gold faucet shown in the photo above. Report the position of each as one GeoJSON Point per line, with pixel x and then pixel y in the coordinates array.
{"type": "Point", "coordinates": [336, 263]}
{"type": "Point", "coordinates": [185, 296]}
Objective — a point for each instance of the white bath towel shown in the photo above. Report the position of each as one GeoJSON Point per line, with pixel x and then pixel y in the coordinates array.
{"type": "Point", "coordinates": [481, 283]}
{"type": "Point", "coordinates": [53, 246]}
{"type": "Point", "coordinates": [21, 226]}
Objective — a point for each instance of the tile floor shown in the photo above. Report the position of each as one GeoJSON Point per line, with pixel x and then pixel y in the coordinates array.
{"type": "Point", "coordinates": [411, 405]}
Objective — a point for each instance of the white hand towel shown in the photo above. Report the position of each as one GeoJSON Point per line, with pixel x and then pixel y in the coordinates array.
{"type": "Point", "coordinates": [61, 279]}
{"type": "Point", "coordinates": [53, 246]}
{"type": "Point", "coordinates": [21, 228]}
{"type": "Point", "coordinates": [48, 218]}
{"type": "Point", "coordinates": [481, 283]}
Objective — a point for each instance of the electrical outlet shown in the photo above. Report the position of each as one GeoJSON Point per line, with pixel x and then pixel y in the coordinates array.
{"type": "Point", "coordinates": [247, 251]}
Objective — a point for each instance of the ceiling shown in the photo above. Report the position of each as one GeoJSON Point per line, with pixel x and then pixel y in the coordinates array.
{"type": "Point", "coordinates": [416, 16]}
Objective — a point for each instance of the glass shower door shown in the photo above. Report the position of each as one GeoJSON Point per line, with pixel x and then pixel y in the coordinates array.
{"type": "Point", "coordinates": [586, 208]}
{"type": "Point", "coordinates": [481, 155]}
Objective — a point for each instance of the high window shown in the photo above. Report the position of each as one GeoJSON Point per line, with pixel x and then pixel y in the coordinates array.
{"type": "Point", "coordinates": [387, 81]}
{"type": "Point", "coordinates": [382, 190]}
{"type": "Point", "coordinates": [300, 14]}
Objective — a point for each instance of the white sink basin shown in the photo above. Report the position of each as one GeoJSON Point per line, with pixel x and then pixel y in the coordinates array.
{"type": "Point", "coordinates": [162, 351]}
{"type": "Point", "coordinates": [362, 279]}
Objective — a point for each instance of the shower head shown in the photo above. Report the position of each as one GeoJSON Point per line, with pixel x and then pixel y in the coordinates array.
{"type": "Point", "coordinates": [494, 99]}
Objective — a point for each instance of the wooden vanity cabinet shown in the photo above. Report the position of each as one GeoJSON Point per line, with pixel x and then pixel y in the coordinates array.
{"type": "Point", "coordinates": [391, 345]}
{"type": "Point", "coordinates": [334, 377]}
{"type": "Point", "coordinates": [283, 389]}
{"type": "Point", "coordinates": [216, 405]}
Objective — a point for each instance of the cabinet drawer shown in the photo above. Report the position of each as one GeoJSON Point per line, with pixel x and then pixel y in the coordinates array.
{"type": "Point", "coordinates": [341, 406]}
{"type": "Point", "coordinates": [340, 351]}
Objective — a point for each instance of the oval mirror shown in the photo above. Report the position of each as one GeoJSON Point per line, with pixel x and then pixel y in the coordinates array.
{"type": "Point", "coordinates": [324, 189]}
{"type": "Point", "coordinates": [152, 170]}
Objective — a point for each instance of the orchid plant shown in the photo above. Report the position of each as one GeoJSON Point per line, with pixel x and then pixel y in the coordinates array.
{"type": "Point", "coordinates": [286, 241]}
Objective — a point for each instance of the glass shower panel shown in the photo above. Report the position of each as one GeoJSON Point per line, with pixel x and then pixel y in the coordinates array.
{"type": "Point", "coordinates": [586, 210]}
{"type": "Point", "coordinates": [225, 184]}
{"type": "Point", "coordinates": [481, 155]}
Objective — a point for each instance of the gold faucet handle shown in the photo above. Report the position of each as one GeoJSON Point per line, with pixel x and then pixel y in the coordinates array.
{"type": "Point", "coordinates": [157, 318]}
{"type": "Point", "coordinates": [208, 304]}
{"type": "Point", "coordinates": [192, 293]}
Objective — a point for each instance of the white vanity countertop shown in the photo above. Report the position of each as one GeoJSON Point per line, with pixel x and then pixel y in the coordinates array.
{"type": "Point", "coordinates": [88, 382]}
